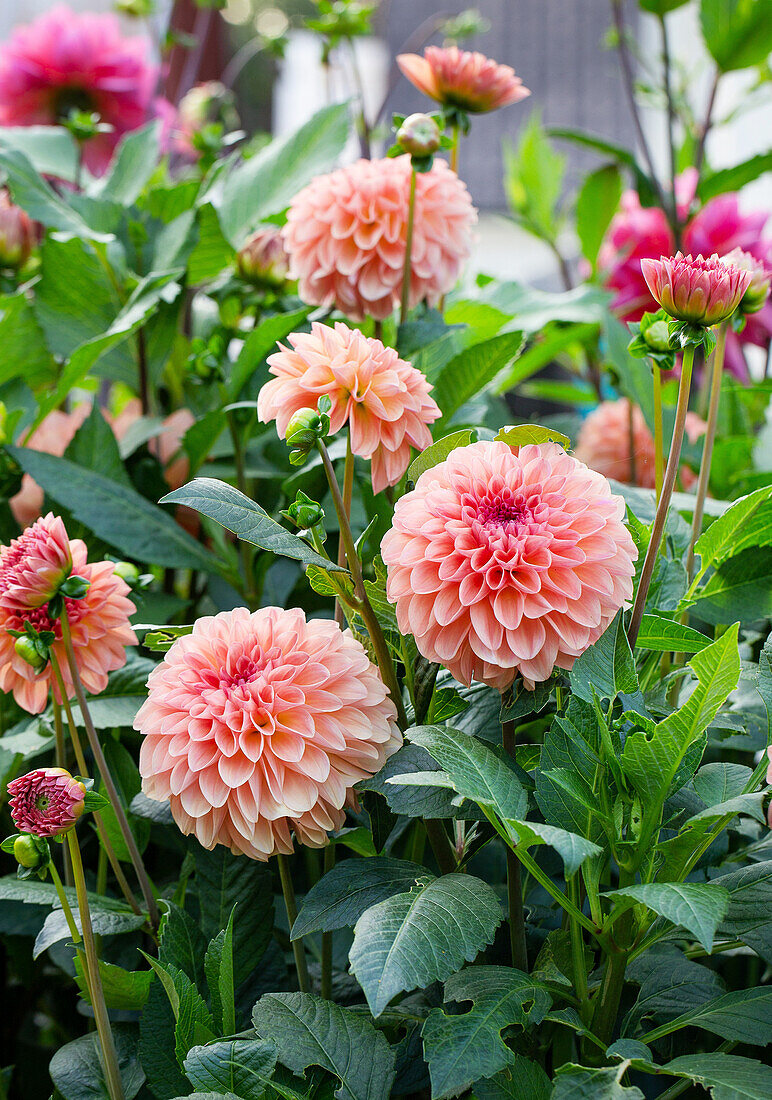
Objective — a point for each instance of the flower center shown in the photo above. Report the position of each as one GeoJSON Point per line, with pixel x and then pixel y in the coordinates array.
{"type": "Point", "coordinates": [42, 803]}
{"type": "Point", "coordinates": [503, 514]}
{"type": "Point", "coordinates": [67, 100]}
{"type": "Point", "coordinates": [243, 673]}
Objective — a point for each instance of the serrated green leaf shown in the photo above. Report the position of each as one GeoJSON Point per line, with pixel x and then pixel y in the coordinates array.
{"type": "Point", "coordinates": [308, 1031]}
{"type": "Point", "coordinates": [728, 1076]}
{"type": "Point", "coordinates": [719, 541]}
{"type": "Point", "coordinates": [520, 435]}
{"type": "Point", "coordinates": [30, 191]}
{"type": "Point", "coordinates": [523, 1080]}
{"type": "Point", "coordinates": [218, 967]}
{"type": "Point", "coordinates": [438, 452]}
{"type": "Point", "coordinates": [242, 1066]}
{"type": "Point", "coordinates": [572, 849]}
{"type": "Point", "coordinates": [740, 588]}
{"type": "Point", "coordinates": [663, 634]}
{"type": "Point", "coordinates": [607, 667]}
{"type": "Point", "coordinates": [131, 166]}
{"type": "Point", "coordinates": [670, 984]}
{"type": "Point", "coordinates": [76, 1068]}
{"type": "Point", "coordinates": [425, 935]}
{"type": "Point", "coordinates": [123, 989]}
{"type": "Point", "coordinates": [419, 802]}
{"type": "Point", "coordinates": [749, 917]}
{"type": "Point", "coordinates": [744, 1016]}
{"type": "Point", "coordinates": [474, 368]}
{"type": "Point", "coordinates": [574, 1082]}
{"type": "Point", "coordinates": [696, 906]}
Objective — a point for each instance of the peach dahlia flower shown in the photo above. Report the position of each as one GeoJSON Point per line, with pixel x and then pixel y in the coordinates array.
{"type": "Point", "coordinates": [53, 436]}
{"type": "Point", "coordinates": [33, 566]}
{"type": "Point", "coordinates": [100, 629]}
{"type": "Point", "coordinates": [345, 236]}
{"type": "Point", "coordinates": [504, 561]}
{"type": "Point", "coordinates": [694, 289]}
{"type": "Point", "coordinates": [259, 724]}
{"type": "Point", "coordinates": [458, 78]}
{"type": "Point", "coordinates": [603, 444]}
{"type": "Point", "coordinates": [384, 400]}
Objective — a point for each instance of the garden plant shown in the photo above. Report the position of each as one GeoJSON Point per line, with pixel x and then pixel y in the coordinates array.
{"type": "Point", "coordinates": [363, 736]}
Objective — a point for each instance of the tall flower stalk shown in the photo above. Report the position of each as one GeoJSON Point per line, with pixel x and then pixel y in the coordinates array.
{"type": "Point", "coordinates": [514, 880]}
{"type": "Point", "coordinates": [405, 296]}
{"type": "Point", "coordinates": [707, 451]}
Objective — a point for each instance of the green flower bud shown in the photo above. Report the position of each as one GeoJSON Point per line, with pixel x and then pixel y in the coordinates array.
{"type": "Point", "coordinates": [306, 426]}
{"type": "Point", "coordinates": [26, 852]}
{"type": "Point", "coordinates": [657, 336]}
{"type": "Point", "coordinates": [33, 651]}
{"type": "Point", "coordinates": [127, 572]}
{"type": "Point", "coordinates": [75, 587]}
{"type": "Point", "coordinates": [304, 512]}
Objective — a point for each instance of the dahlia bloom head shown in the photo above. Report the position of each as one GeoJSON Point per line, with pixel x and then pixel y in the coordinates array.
{"type": "Point", "coordinates": [756, 295]}
{"type": "Point", "coordinates": [262, 260]}
{"type": "Point", "coordinates": [694, 289]}
{"type": "Point", "coordinates": [17, 233]}
{"type": "Point", "coordinates": [33, 566]}
{"type": "Point", "coordinates": [53, 436]}
{"type": "Point", "coordinates": [100, 629]}
{"type": "Point", "coordinates": [604, 444]}
{"type": "Point", "coordinates": [506, 561]}
{"type": "Point", "coordinates": [469, 81]}
{"type": "Point", "coordinates": [384, 400]}
{"type": "Point", "coordinates": [346, 232]}
{"type": "Point", "coordinates": [258, 725]}
{"type": "Point", "coordinates": [66, 60]}
{"type": "Point", "coordinates": [46, 802]}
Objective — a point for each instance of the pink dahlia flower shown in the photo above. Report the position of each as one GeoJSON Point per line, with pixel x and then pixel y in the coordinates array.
{"type": "Point", "coordinates": [33, 566]}
{"type": "Point", "coordinates": [756, 295]}
{"type": "Point", "coordinates": [638, 232]}
{"type": "Point", "coordinates": [46, 802]}
{"type": "Point", "coordinates": [694, 289]}
{"type": "Point", "coordinates": [100, 633]}
{"type": "Point", "coordinates": [64, 61]}
{"type": "Point", "coordinates": [505, 561]}
{"type": "Point", "coordinates": [604, 444]}
{"type": "Point", "coordinates": [262, 260]}
{"type": "Point", "coordinates": [260, 724]}
{"type": "Point", "coordinates": [458, 78]}
{"type": "Point", "coordinates": [53, 437]}
{"type": "Point", "coordinates": [345, 236]}
{"type": "Point", "coordinates": [18, 234]}
{"type": "Point", "coordinates": [384, 400]}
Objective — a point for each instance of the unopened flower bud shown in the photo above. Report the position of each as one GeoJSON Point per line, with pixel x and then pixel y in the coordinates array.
{"type": "Point", "coordinates": [75, 587]}
{"type": "Point", "coordinates": [304, 512]}
{"type": "Point", "coordinates": [32, 651]}
{"type": "Point", "coordinates": [657, 336]}
{"type": "Point", "coordinates": [26, 852]}
{"type": "Point", "coordinates": [305, 427]}
{"type": "Point", "coordinates": [17, 233]}
{"type": "Point", "coordinates": [47, 801]}
{"type": "Point", "coordinates": [127, 572]}
{"type": "Point", "coordinates": [419, 135]}
{"type": "Point", "coordinates": [262, 261]}
{"type": "Point", "coordinates": [758, 291]}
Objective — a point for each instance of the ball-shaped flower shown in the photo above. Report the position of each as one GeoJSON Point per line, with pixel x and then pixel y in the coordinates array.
{"type": "Point", "coordinates": [262, 260]}
{"type": "Point", "coordinates": [346, 236]}
{"type": "Point", "coordinates": [604, 444]}
{"type": "Point", "coordinates": [259, 724]}
{"type": "Point", "coordinates": [469, 81]}
{"type": "Point", "coordinates": [694, 289]}
{"type": "Point", "coordinates": [384, 400]}
{"type": "Point", "coordinates": [504, 561]}
{"type": "Point", "coordinates": [100, 629]}
{"type": "Point", "coordinates": [46, 802]}
{"type": "Point", "coordinates": [33, 566]}
{"type": "Point", "coordinates": [66, 60]}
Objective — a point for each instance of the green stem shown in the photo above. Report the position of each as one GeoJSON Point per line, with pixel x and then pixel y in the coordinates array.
{"type": "Point", "coordinates": [61, 762]}
{"type": "Point", "coordinates": [377, 640]}
{"type": "Point", "coordinates": [329, 863]}
{"type": "Point", "coordinates": [298, 948]}
{"type": "Point", "coordinates": [517, 940]}
{"type": "Point", "coordinates": [577, 948]}
{"type": "Point", "coordinates": [610, 993]}
{"type": "Point", "coordinates": [658, 527]}
{"type": "Point", "coordinates": [348, 492]}
{"type": "Point", "coordinates": [454, 149]}
{"type": "Point", "coordinates": [441, 846]}
{"type": "Point", "coordinates": [109, 1057]}
{"type": "Point", "coordinates": [405, 303]}
{"type": "Point", "coordinates": [68, 914]}
{"type": "Point", "coordinates": [707, 451]}
{"type": "Point", "coordinates": [107, 778]}
{"type": "Point", "coordinates": [659, 446]}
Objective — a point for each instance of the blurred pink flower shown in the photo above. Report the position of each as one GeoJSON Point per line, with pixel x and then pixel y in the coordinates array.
{"type": "Point", "coordinates": [756, 295]}
{"type": "Point", "coordinates": [46, 802]}
{"type": "Point", "coordinates": [260, 724]}
{"type": "Point", "coordinates": [695, 289]}
{"type": "Point", "coordinates": [262, 260]}
{"type": "Point", "coordinates": [52, 437]}
{"type": "Point", "coordinates": [100, 633]}
{"type": "Point", "coordinates": [65, 60]}
{"type": "Point", "coordinates": [384, 400]}
{"type": "Point", "coordinates": [34, 565]}
{"type": "Point", "coordinates": [603, 444]}
{"type": "Point", "coordinates": [460, 78]}
{"type": "Point", "coordinates": [166, 445]}
{"type": "Point", "coordinates": [505, 561]}
{"type": "Point", "coordinates": [18, 233]}
{"type": "Point", "coordinates": [638, 232]}
{"type": "Point", "coordinates": [345, 236]}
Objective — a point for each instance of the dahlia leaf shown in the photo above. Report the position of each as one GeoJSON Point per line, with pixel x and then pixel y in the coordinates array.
{"type": "Point", "coordinates": [218, 967]}
{"type": "Point", "coordinates": [246, 519]}
{"type": "Point", "coordinates": [737, 33]}
{"type": "Point", "coordinates": [696, 906]}
{"type": "Point", "coordinates": [571, 848]}
{"type": "Point", "coordinates": [663, 634]}
{"type": "Point", "coordinates": [747, 523]}
{"type": "Point", "coordinates": [472, 370]}
{"type": "Point", "coordinates": [522, 1080]}
{"type": "Point", "coordinates": [350, 888]}
{"type": "Point", "coordinates": [31, 192]}
{"type": "Point", "coordinates": [749, 917]}
{"type": "Point", "coordinates": [596, 204]}
{"type": "Point", "coordinates": [308, 1031]}
{"type": "Point", "coordinates": [76, 1068]}
{"type": "Point", "coordinates": [422, 936]}
{"type": "Point", "coordinates": [462, 1048]}
{"type": "Point", "coordinates": [123, 989]}
{"type": "Point", "coordinates": [521, 434]}
{"type": "Point", "coordinates": [439, 451]}
{"type": "Point", "coordinates": [182, 943]}
{"type": "Point", "coordinates": [728, 1076]}
{"type": "Point", "coordinates": [133, 163]}
{"type": "Point", "coordinates": [740, 588]}
{"type": "Point", "coordinates": [419, 802]}
{"type": "Point", "coordinates": [242, 1066]}
{"type": "Point", "coordinates": [743, 1016]}
{"type": "Point", "coordinates": [574, 1082]}
{"type": "Point", "coordinates": [476, 771]}
{"type": "Point", "coordinates": [607, 668]}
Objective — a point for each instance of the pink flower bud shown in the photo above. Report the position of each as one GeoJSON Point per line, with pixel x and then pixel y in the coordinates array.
{"type": "Point", "coordinates": [419, 135]}
{"type": "Point", "coordinates": [46, 802]}
{"type": "Point", "coordinates": [262, 260]}
{"type": "Point", "coordinates": [758, 291]}
{"type": "Point", "coordinates": [17, 233]}
{"type": "Point", "coordinates": [696, 290]}
{"type": "Point", "coordinates": [33, 566]}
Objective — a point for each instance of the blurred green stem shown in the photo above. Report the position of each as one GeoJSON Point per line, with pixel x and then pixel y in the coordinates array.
{"type": "Point", "coordinates": [405, 303]}
{"type": "Point", "coordinates": [109, 1056]}
{"type": "Point", "coordinates": [298, 947]}
{"type": "Point", "coordinates": [652, 550]}
{"type": "Point", "coordinates": [61, 762]}
{"type": "Point", "coordinates": [659, 451]}
{"type": "Point", "coordinates": [707, 450]}
{"type": "Point", "coordinates": [514, 884]}
{"type": "Point", "coordinates": [348, 491]}
{"type": "Point", "coordinates": [329, 863]}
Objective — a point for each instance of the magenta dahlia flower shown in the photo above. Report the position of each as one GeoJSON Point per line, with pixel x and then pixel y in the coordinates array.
{"type": "Point", "coordinates": [34, 565]}
{"type": "Point", "coordinates": [694, 289]}
{"type": "Point", "coordinates": [259, 724]}
{"type": "Point", "coordinates": [46, 802]}
{"type": "Point", "coordinates": [66, 60]}
{"type": "Point", "coordinates": [384, 400]}
{"type": "Point", "coordinates": [504, 561]}
{"type": "Point", "coordinates": [100, 633]}
{"type": "Point", "coordinates": [345, 236]}
{"type": "Point", "coordinates": [458, 78]}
